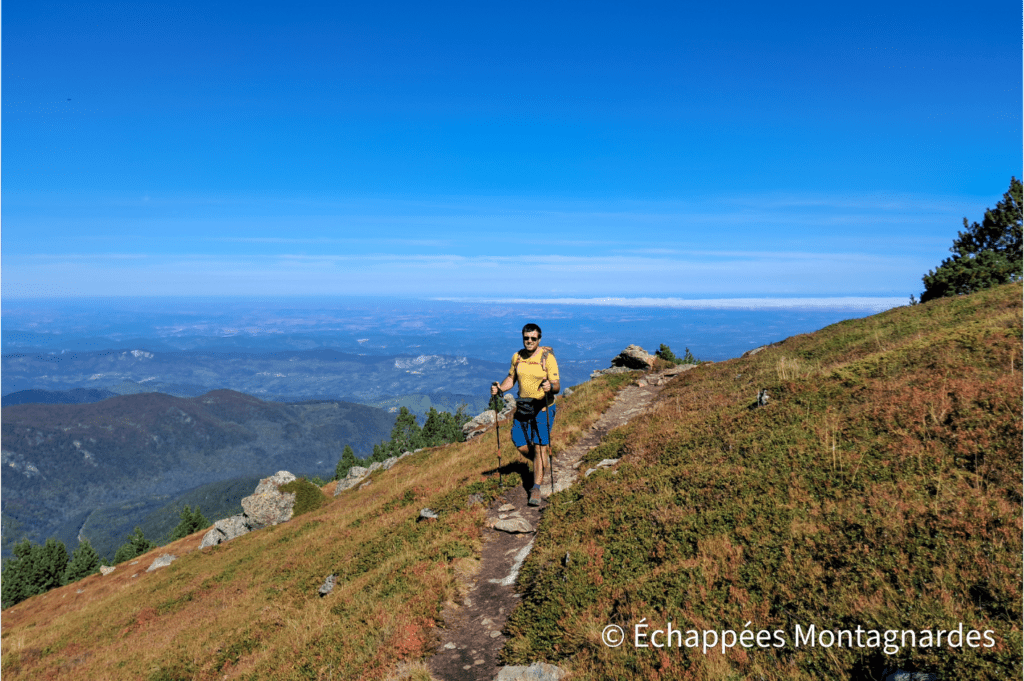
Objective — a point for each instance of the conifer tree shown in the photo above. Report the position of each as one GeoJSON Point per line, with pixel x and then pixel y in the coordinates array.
{"type": "Point", "coordinates": [348, 459]}
{"type": "Point", "coordinates": [984, 255]}
{"type": "Point", "coordinates": [189, 521]}
{"type": "Point", "coordinates": [84, 562]}
{"type": "Point", "coordinates": [32, 570]}
{"type": "Point", "coordinates": [136, 545]}
{"type": "Point", "coordinates": [16, 583]}
{"type": "Point", "coordinates": [52, 562]}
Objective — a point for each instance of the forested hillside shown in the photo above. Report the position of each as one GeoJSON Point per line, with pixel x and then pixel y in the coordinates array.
{"type": "Point", "coordinates": [136, 452]}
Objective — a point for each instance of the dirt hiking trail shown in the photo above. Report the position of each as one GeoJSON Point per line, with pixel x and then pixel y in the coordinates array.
{"type": "Point", "coordinates": [473, 635]}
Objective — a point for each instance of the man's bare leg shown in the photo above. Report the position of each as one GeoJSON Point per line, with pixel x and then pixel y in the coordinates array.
{"type": "Point", "coordinates": [540, 464]}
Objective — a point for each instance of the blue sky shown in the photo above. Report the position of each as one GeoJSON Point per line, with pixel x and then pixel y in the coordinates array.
{"type": "Point", "coordinates": [478, 149]}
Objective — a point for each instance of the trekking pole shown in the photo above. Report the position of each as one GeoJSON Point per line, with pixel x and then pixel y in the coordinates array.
{"type": "Point", "coordinates": [551, 458]}
{"type": "Point", "coordinates": [497, 436]}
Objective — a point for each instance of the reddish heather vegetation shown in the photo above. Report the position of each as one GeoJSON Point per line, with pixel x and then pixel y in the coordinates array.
{"type": "Point", "coordinates": [880, 488]}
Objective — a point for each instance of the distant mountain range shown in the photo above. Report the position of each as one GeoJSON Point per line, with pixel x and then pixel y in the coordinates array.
{"type": "Point", "coordinates": [280, 376]}
{"type": "Point", "coordinates": [63, 462]}
{"type": "Point", "coordinates": [75, 396]}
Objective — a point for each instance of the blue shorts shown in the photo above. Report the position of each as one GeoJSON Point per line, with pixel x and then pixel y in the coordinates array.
{"type": "Point", "coordinates": [534, 430]}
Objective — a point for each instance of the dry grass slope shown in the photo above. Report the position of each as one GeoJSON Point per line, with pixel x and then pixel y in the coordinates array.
{"type": "Point", "coordinates": [881, 488]}
{"type": "Point", "coordinates": [249, 608]}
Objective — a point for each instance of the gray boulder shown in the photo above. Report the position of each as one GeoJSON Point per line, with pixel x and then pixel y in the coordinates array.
{"type": "Point", "coordinates": [356, 475]}
{"type": "Point", "coordinates": [514, 525]}
{"type": "Point", "coordinates": [162, 561]}
{"type": "Point", "coordinates": [268, 505]}
{"type": "Point", "coordinates": [538, 671]}
{"type": "Point", "coordinates": [328, 585]}
{"type": "Point", "coordinates": [225, 530]}
{"type": "Point", "coordinates": [265, 507]}
{"type": "Point", "coordinates": [634, 357]}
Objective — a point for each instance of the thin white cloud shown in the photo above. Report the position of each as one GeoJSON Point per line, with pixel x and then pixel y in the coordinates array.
{"type": "Point", "coordinates": [695, 274]}
{"type": "Point", "coordinates": [875, 304]}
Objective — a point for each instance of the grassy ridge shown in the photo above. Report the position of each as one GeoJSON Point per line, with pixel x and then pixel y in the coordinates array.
{"type": "Point", "coordinates": [249, 608]}
{"type": "Point", "coordinates": [881, 488]}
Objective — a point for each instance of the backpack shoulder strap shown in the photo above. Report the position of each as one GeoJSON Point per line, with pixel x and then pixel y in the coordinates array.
{"type": "Point", "coordinates": [544, 352]}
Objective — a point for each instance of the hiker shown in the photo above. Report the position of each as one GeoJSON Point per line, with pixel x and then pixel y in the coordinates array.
{"type": "Point", "coordinates": [535, 369]}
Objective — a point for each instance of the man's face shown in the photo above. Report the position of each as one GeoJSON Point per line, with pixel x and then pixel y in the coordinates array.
{"type": "Point", "coordinates": [530, 340]}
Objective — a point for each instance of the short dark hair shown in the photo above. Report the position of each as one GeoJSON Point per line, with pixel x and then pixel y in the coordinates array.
{"type": "Point", "coordinates": [532, 327]}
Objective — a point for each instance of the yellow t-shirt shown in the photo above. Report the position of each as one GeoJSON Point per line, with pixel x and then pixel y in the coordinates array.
{"type": "Point", "coordinates": [530, 374]}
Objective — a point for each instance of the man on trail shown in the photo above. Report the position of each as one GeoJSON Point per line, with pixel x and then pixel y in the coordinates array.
{"type": "Point", "coordinates": [535, 369]}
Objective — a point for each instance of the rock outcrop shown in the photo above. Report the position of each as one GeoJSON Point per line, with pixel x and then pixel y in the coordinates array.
{"type": "Point", "coordinates": [266, 506]}
{"type": "Point", "coordinates": [634, 357]}
{"type": "Point", "coordinates": [358, 474]}
{"type": "Point", "coordinates": [484, 422]}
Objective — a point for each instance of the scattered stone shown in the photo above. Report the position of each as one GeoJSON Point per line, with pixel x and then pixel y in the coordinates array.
{"type": "Point", "coordinates": [427, 514]}
{"type": "Point", "coordinates": [474, 499]}
{"type": "Point", "coordinates": [162, 561]}
{"type": "Point", "coordinates": [566, 560]}
{"type": "Point", "coordinates": [505, 508]}
{"type": "Point", "coordinates": [762, 397]}
{"type": "Point", "coordinates": [328, 585]}
{"type": "Point", "coordinates": [478, 662]}
{"type": "Point", "coordinates": [538, 671]}
{"type": "Point", "coordinates": [514, 525]}
{"type": "Point", "coordinates": [81, 591]}
{"type": "Point", "coordinates": [517, 563]}
{"type": "Point", "coordinates": [899, 675]}
{"type": "Point", "coordinates": [106, 569]}
{"type": "Point", "coordinates": [495, 634]}
{"type": "Point", "coordinates": [751, 353]}
{"type": "Point", "coordinates": [389, 462]}
{"type": "Point", "coordinates": [366, 484]}
{"type": "Point", "coordinates": [605, 463]}
{"type": "Point", "coordinates": [567, 392]}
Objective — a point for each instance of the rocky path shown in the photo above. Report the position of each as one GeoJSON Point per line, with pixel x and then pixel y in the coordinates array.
{"type": "Point", "coordinates": [473, 636]}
